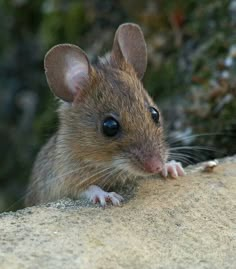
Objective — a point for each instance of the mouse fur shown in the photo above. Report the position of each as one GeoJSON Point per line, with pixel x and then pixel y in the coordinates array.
{"type": "Point", "coordinates": [79, 154]}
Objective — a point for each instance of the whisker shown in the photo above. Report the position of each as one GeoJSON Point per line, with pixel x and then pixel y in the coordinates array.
{"type": "Point", "coordinates": [195, 153]}
{"type": "Point", "coordinates": [116, 179]}
{"type": "Point", "coordinates": [196, 148]}
{"type": "Point", "coordinates": [96, 179]}
{"type": "Point", "coordinates": [108, 179]}
{"type": "Point", "coordinates": [189, 159]}
{"type": "Point", "coordinates": [182, 158]}
{"type": "Point", "coordinates": [188, 154]}
{"type": "Point", "coordinates": [88, 178]}
{"type": "Point", "coordinates": [188, 137]}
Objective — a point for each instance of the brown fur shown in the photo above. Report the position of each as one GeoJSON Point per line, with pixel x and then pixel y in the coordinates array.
{"type": "Point", "coordinates": [79, 150]}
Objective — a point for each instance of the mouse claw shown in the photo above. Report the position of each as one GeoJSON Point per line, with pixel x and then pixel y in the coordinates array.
{"type": "Point", "coordinates": [174, 169]}
{"type": "Point", "coordinates": [96, 195]}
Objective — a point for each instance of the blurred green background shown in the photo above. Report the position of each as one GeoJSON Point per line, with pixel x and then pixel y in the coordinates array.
{"type": "Point", "coordinates": [191, 73]}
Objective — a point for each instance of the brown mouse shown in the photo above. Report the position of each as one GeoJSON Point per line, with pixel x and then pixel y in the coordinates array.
{"type": "Point", "coordinates": [110, 129]}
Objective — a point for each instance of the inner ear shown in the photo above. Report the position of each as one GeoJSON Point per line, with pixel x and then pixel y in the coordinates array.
{"type": "Point", "coordinates": [129, 45]}
{"type": "Point", "coordinates": [67, 70]}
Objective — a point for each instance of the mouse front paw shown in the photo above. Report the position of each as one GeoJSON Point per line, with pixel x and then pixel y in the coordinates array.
{"type": "Point", "coordinates": [174, 169]}
{"type": "Point", "coordinates": [97, 195]}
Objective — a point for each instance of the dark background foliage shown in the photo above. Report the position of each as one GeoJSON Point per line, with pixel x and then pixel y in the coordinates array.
{"type": "Point", "coordinates": [191, 73]}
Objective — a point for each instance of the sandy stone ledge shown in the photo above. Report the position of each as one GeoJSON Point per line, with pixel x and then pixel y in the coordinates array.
{"type": "Point", "coordinates": [184, 223]}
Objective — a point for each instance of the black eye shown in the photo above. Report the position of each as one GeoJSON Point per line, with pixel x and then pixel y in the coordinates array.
{"type": "Point", "coordinates": [155, 114]}
{"type": "Point", "coordinates": [110, 126]}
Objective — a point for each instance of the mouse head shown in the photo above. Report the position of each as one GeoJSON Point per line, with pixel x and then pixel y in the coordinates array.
{"type": "Point", "coordinates": [107, 117]}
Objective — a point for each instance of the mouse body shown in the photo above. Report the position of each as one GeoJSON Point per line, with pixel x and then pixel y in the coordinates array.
{"type": "Point", "coordinates": [110, 130]}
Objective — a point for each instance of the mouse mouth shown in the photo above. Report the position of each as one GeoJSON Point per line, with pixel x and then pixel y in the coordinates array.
{"type": "Point", "coordinates": [150, 167]}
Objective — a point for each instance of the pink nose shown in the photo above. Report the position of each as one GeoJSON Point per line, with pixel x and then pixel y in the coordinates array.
{"type": "Point", "coordinates": [153, 165]}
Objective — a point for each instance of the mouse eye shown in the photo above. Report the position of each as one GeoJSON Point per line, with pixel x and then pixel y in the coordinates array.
{"type": "Point", "coordinates": [155, 114]}
{"type": "Point", "coordinates": [110, 126]}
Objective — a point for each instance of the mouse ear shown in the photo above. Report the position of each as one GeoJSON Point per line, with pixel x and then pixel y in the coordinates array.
{"type": "Point", "coordinates": [67, 70]}
{"type": "Point", "coordinates": [129, 45]}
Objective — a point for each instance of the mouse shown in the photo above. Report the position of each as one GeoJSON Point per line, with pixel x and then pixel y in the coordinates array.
{"type": "Point", "coordinates": [110, 130]}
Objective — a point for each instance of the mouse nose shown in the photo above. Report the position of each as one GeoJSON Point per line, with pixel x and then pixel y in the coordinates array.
{"type": "Point", "coordinates": [153, 165]}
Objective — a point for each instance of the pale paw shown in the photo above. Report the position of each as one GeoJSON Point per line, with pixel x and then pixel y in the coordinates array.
{"type": "Point", "coordinates": [96, 195]}
{"type": "Point", "coordinates": [174, 169]}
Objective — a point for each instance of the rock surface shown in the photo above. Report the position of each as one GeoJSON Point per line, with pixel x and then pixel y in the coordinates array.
{"type": "Point", "coordinates": [184, 223]}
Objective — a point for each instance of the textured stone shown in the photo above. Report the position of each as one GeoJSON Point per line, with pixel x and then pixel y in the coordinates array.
{"type": "Point", "coordinates": [184, 223]}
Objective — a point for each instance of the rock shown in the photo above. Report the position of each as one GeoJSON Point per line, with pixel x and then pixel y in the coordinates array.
{"type": "Point", "coordinates": [184, 223]}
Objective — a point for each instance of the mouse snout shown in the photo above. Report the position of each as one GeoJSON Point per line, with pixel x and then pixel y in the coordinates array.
{"type": "Point", "coordinates": [153, 165]}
